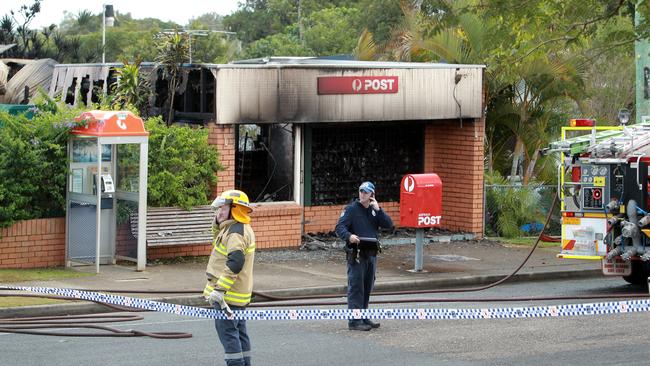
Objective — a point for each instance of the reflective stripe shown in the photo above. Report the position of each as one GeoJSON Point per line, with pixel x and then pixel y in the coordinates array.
{"type": "Point", "coordinates": [239, 298]}
{"type": "Point", "coordinates": [225, 282]}
{"type": "Point", "coordinates": [219, 247]}
{"type": "Point", "coordinates": [233, 356]}
{"type": "Point", "coordinates": [207, 290]}
{"type": "Point", "coordinates": [247, 354]}
{"type": "Point", "coordinates": [250, 249]}
{"type": "Point", "coordinates": [221, 250]}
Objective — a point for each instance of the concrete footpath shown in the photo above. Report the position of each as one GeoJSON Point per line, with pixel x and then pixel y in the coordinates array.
{"type": "Point", "coordinates": [322, 270]}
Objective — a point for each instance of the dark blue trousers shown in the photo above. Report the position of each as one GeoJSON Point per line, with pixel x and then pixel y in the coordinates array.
{"type": "Point", "coordinates": [234, 338]}
{"type": "Point", "coordinates": [361, 278]}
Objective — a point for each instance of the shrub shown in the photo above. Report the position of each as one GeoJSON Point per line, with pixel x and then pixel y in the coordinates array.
{"type": "Point", "coordinates": [33, 164]}
{"type": "Point", "coordinates": [512, 206]}
{"type": "Point", "coordinates": [182, 165]}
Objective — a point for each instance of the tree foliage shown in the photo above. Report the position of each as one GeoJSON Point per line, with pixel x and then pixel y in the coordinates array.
{"type": "Point", "coordinates": [131, 90]}
{"type": "Point", "coordinates": [173, 51]}
{"type": "Point", "coordinates": [545, 60]}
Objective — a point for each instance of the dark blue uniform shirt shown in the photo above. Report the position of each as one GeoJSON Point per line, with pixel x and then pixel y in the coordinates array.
{"type": "Point", "coordinates": [361, 221]}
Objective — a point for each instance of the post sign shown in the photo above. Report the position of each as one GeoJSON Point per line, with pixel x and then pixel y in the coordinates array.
{"type": "Point", "coordinates": [357, 85]}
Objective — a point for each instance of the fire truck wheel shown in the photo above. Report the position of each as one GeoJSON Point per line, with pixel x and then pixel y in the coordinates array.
{"type": "Point", "coordinates": [640, 273]}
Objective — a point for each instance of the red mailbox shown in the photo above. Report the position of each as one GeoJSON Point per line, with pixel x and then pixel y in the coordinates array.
{"type": "Point", "coordinates": [420, 201]}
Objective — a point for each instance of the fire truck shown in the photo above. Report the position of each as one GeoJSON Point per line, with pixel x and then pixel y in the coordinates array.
{"type": "Point", "coordinates": [603, 193]}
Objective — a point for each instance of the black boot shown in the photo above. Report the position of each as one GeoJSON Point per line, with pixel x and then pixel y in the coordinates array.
{"type": "Point", "coordinates": [372, 324]}
{"type": "Point", "coordinates": [359, 325]}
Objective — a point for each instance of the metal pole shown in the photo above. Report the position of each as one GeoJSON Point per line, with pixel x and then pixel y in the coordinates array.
{"type": "Point", "coordinates": [419, 249]}
{"type": "Point", "coordinates": [142, 206]}
{"type": "Point", "coordinates": [189, 39]}
{"type": "Point", "coordinates": [98, 217]}
{"type": "Point", "coordinates": [103, 33]}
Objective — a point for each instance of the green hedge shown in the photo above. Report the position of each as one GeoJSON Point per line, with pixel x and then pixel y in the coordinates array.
{"type": "Point", "coordinates": [182, 165]}
{"type": "Point", "coordinates": [33, 164]}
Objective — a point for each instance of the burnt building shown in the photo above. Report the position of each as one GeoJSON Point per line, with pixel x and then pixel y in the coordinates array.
{"type": "Point", "coordinates": [300, 134]}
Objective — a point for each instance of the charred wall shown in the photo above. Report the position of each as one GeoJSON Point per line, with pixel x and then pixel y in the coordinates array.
{"type": "Point", "coordinates": [194, 100]}
{"type": "Point", "coordinates": [343, 156]}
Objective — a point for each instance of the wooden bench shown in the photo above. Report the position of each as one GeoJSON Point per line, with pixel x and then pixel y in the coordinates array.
{"type": "Point", "coordinates": [168, 226]}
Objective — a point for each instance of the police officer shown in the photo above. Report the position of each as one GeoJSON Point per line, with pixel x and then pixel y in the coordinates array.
{"type": "Point", "coordinates": [358, 226]}
{"type": "Point", "coordinates": [230, 272]}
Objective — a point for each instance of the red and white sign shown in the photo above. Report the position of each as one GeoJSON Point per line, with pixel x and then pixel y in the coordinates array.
{"type": "Point", "coordinates": [109, 123]}
{"type": "Point", "coordinates": [357, 85]}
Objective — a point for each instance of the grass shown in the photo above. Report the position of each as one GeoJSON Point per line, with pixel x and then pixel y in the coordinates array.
{"type": "Point", "coordinates": [17, 301]}
{"type": "Point", "coordinates": [33, 274]}
{"type": "Point", "coordinates": [527, 241]}
{"type": "Point", "coordinates": [38, 274]}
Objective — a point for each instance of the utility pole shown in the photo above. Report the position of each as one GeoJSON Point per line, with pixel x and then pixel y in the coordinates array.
{"type": "Point", "coordinates": [300, 31]}
{"type": "Point", "coordinates": [642, 63]}
{"type": "Point", "coordinates": [108, 19]}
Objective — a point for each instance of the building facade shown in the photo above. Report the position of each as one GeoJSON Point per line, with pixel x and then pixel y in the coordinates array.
{"type": "Point", "coordinates": [300, 134]}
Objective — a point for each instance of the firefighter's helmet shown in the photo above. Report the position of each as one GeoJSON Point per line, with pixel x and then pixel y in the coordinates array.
{"type": "Point", "coordinates": [240, 207]}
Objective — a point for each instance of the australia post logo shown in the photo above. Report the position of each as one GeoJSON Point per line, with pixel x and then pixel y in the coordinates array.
{"type": "Point", "coordinates": [357, 84]}
{"type": "Point", "coordinates": [425, 219]}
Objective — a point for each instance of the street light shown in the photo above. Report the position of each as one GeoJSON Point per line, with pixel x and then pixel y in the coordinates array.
{"type": "Point", "coordinates": [108, 19]}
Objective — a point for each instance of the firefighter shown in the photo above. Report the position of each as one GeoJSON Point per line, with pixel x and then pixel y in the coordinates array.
{"type": "Point", "coordinates": [358, 226]}
{"type": "Point", "coordinates": [230, 272]}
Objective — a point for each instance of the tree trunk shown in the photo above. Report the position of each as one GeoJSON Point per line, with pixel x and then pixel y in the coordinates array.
{"type": "Point", "coordinates": [517, 155]}
{"type": "Point", "coordinates": [172, 92]}
{"type": "Point", "coordinates": [530, 169]}
{"type": "Point", "coordinates": [490, 163]}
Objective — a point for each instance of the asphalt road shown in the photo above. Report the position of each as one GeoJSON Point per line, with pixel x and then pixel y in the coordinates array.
{"type": "Point", "coordinates": [581, 340]}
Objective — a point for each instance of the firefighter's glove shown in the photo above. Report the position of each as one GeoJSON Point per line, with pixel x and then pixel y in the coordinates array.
{"type": "Point", "coordinates": [216, 298]}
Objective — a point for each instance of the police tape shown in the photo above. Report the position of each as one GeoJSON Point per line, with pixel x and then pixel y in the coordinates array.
{"type": "Point", "coordinates": [601, 308]}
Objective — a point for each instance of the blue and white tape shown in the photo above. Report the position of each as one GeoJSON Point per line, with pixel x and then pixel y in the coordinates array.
{"type": "Point", "coordinates": [611, 307]}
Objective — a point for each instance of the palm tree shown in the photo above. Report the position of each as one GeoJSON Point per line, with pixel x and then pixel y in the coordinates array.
{"type": "Point", "coordinates": [130, 89]}
{"type": "Point", "coordinates": [84, 19]}
{"type": "Point", "coordinates": [519, 95]}
{"type": "Point", "coordinates": [173, 50]}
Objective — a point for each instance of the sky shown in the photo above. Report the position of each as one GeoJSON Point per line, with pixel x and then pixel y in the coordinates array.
{"type": "Point", "coordinates": [166, 10]}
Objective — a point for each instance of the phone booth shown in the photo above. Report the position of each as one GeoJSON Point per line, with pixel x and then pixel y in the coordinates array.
{"type": "Point", "coordinates": [107, 185]}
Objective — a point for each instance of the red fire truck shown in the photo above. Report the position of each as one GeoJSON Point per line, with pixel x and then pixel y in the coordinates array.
{"type": "Point", "coordinates": [603, 191]}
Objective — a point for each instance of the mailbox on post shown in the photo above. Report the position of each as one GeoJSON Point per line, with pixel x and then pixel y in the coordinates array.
{"type": "Point", "coordinates": [420, 200]}
{"type": "Point", "coordinates": [420, 206]}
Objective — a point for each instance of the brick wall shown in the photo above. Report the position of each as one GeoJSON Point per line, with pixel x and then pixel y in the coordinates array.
{"type": "Point", "coordinates": [455, 153]}
{"type": "Point", "coordinates": [33, 243]}
{"type": "Point", "coordinates": [223, 137]}
{"type": "Point", "coordinates": [276, 225]}
{"type": "Point", "coordinates": [322, 219]}
{"type": "Point", "coordinates": [178, 251]}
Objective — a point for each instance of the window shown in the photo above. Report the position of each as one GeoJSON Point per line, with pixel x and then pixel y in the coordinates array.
{"type": "Point", "coordinates": [264, 162]}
